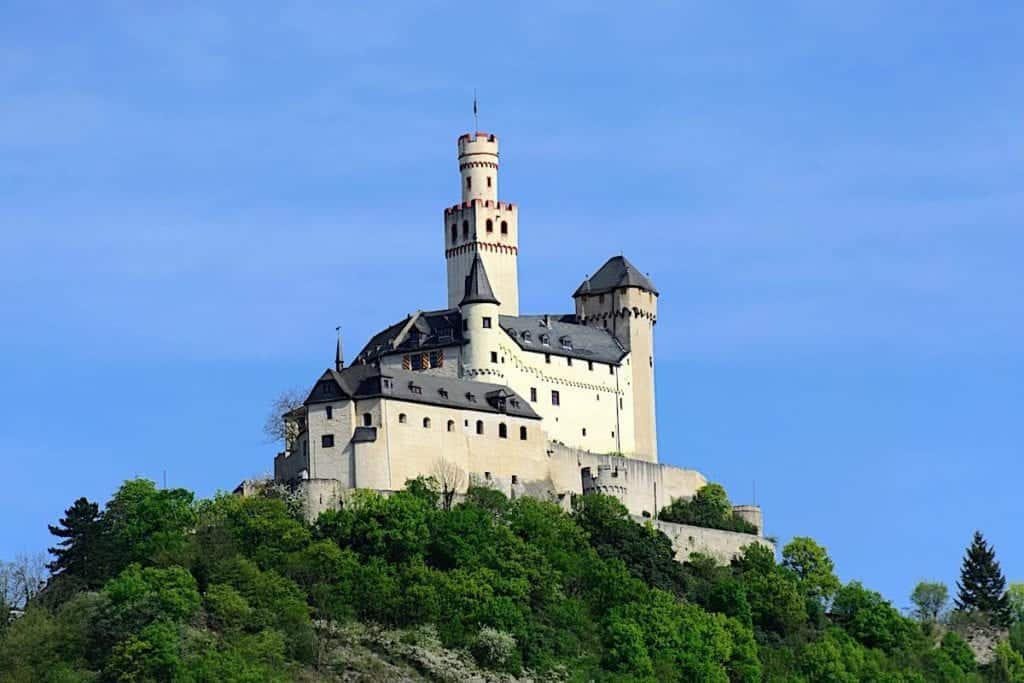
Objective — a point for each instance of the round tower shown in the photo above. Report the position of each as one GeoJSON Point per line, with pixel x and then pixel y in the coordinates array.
{"type": "Point", "coordinates": [478, 165]}
{"type": "Point", "coordinates": [480, 309]}
{"type": "Point", "coordinates": [482, 225]}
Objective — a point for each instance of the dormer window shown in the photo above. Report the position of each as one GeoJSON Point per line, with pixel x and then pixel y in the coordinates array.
{"type": "Point", "coordinates": [566, 342]}
{"type": "Point", "coordinates": [443, 393]}
{"type": "Point", "coordinates": [470, 397]}
{"type": "Point", "coordinates": [527, 337]}
{"type": "Point", "coordinates": [545, 340]}
{"type": "Point", "coordinates": [415, 388]}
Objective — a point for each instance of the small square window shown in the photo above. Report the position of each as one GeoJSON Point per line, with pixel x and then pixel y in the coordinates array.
{"type": "Point", "coordinates": [533, 394]}
{"type": "Point", "coordinates": [547, 357]}
{"type": "Point", "coordinates": [327, 440]}
{"type": "Point", "coordinates": [494, 356]}
{"type": "Point", "coordinates": [487, 323]}
{"type": "Point", "coordinates": [556, 399]}
{"type": "Point", "coordinates": [329, 410]}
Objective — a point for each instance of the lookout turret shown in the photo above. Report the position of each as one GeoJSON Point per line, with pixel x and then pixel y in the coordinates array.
{"type": "Point", "coordinates": [482, 225]}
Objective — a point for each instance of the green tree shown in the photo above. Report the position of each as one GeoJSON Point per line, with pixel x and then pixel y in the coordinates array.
{"type": "Point", "coordinates": [813, 568]}
{"type": "Point", "coordinates": [929, 598]}
{"type": "Point", "coordinates": [1015, 597]}
{"type": "Point", "coordinates": [148, 525]}
{"type": "Point", "coordinates": [869, 618]}
{"type": "Point", "coordinates": [78, 555]}
{"type": "Point", "coordinates": [982, 586]}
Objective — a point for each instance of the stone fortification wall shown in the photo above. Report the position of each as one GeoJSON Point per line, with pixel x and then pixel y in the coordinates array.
{"type": "Point", "coordinates": [723, 546]}
{"type": "Point", "coordinates": [641, 486]}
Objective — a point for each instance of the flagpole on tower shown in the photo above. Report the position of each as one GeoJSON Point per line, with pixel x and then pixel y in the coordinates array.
{"type": "Point", "coordinates": [476, 112]}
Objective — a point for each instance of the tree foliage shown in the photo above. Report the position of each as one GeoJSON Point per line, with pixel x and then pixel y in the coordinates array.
{"type": "Point", "coordinates": [929, 598]}
{"type": "Point", "coordinates": [709, 507]}
{"type": "Point", "coordinates": [982, 586]}
{"type": "Point", "coordinates": [232, 588]}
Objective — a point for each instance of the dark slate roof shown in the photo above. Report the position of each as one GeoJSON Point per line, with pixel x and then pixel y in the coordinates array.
{"type": "Point", "coordinates": [478, 287]}
{"type": "Point", "coordinates": [617, 272]}
{"type": "Point", "coordinates": [368, 381]}
{"type": "Point", "coordinates": [565, 337]}
{"type": "Point", "coordinates": [420, 331]}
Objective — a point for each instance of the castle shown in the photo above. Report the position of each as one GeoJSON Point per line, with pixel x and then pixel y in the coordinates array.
{"type": "Point", "coordinates": [543, 404]}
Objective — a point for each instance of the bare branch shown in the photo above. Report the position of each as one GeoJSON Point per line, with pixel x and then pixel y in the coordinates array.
{"type": "Point", "coordinates": [450, 477]}
{"type": "Point", "coordinates": [280, 424]}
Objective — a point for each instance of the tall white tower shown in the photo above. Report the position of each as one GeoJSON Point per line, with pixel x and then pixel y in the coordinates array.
{"type": "Point", "coordinates": [482, 225]}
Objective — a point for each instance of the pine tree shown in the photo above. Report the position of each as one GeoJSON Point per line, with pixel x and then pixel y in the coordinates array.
{"type": "Point", "coordinates": [77, 554]}
{"type": "Point", "coordinates": [982, 586]}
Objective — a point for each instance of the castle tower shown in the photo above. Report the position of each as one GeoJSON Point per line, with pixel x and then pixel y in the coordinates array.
{"type": "Point", "coordinates": [622, 300]}
{"type": "Point", "coordinates": [480, 225]}
{"type": "Point", "coordinates": [479, 308]}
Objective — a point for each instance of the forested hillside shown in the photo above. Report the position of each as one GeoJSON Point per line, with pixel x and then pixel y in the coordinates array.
{"type": "Point", "coordinates": [159, 586]}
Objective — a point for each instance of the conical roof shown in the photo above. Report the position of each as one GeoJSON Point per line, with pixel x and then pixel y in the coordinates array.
{"type": "Point", "coordinates": [617, 272]}
{"type": "Point", "coordinates": [478, 287]}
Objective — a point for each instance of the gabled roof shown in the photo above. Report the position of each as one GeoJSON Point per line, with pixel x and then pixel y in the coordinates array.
{"type": "Point", "coordinates": [565, 337]}
{"type": "Point", "coordinates": [420, 331]}
{"type": "Point", "coordinates": [368, 381]}
{"type": "Point", "coordinates": [617, 272]}
{"type": "Point", "coordinates": [478, 287]}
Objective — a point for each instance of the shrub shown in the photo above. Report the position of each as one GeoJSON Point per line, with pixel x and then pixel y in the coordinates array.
{"type": "Point", "coordinates": [494, 649]}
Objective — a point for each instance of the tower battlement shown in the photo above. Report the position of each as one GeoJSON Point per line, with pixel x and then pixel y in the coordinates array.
{"type": "Point", "coordinates": [486, 203]}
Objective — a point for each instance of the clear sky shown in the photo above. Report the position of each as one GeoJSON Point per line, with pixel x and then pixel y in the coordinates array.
{"type": "Point", "coordinates": [829, 197]}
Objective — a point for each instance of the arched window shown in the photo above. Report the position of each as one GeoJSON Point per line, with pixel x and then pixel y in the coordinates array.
{"type": "Point", "coordinates": [455, 233]}
{"type": "Point", "coordinates": [479, 426]}
{"type": "Point", "coordinates": [504, 227]}
{"type": "Point", "coordinates": [465, 230]}
{"type": "Point", "coordinates": [426, 423]}
{"type": "Point", "coordinates": [502, 431]}
{"type": "Point", "coordinates": [522, 433]}
{"type": "Point", "coordinates": [451, 425]}
{"type": "Point", "coordinates": [402, 418]}
{"type": "Point", "coordinates": [490, 225]}
{"type": "Point", "coordinates": [367, 420]}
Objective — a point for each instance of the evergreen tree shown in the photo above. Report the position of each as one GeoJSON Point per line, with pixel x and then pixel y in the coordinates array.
{"type": "Point", "coordinates": [982, 586]}
{"type": "Point", "coordinates": [76, 554]}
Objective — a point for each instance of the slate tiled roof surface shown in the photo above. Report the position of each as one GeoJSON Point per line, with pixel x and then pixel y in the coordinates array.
{"type": "Point", "coordinates": [565, 337]}
{"type": "Point", "coordinates": [368, 381]}
{"type": "Point", "coordinates": [478, 286]}
{"type": "Point", "coordinates": [615, 273]}
{"type": "Point", "coordinates": [420, 331]}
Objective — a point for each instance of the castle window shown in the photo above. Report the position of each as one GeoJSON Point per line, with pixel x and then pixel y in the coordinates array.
{"type": "Point", "coordinates": [504, 227]}
{"type": "Point", "coordinates": [488, 183]}
{"type": "Point", "coordinates": [487, 476]}
{"type": "Point", "coordinates": [533, 394]}
{"type": "Point", "coordinates": [611, 369]}
{"type": "Point", "coordinates": [479, 426]}
{"type": "Point", "coordinates": [556, 399]}
{"type": "Point", "coordinates": [402, 418]}
{"type": "Point", "coordinates": [590, 365]}
{"type": "Point", "coordinates": [426, 423]}
{"type": "Point", "coordinates": [650, 361]}
{"type": "Point", "coordinates": [584, 431]}
{"type": "Point", "coordinates": [465, 230]}
{"type": "Point", "coordinates": [494, 356]}
{"type": "Point", "coordinates": [515, 479]}
{"type": "Point", "coordinates": [455, 233]}
{"type": "Point", "coordinates": [415, 388]}
{"type": "Point", "coordinates": [620, 404]}
{"type": "Point", "coordinates": [522, 433]}
{"type": "Point", "coordinates": [599, 397]}
{"type": "Point", "coordinates": [568, 361]}
{"type": "Point", "coordinates": [470, 397]}
{"type": "Point", "coordinates": [469, 182]}
{"type": "Point", "coordinates": [526, 336]}
{"type": "Point", "coordinates": [367, 420]}
{"type": "Point", "coordinates": [451, 425]}
{"type": "Point", "coordinates": [545, 340]}
{"type": "Point", "coordinates": [490, 223]}
{"type": "Point", "coordinates": [327, 441]}
{"type": "Point", "coordinates": [443, 393]}
{"type": "Point", "coordinates": [547, 357]}
{"type": "Point", "coordinates": [502, 431]}
{"type": "Point", "coordinates": [329, 411]}
{"type": "Point", "coordinates": [600, 298]}
{"type": "Point", "coordinates": [487, 322]}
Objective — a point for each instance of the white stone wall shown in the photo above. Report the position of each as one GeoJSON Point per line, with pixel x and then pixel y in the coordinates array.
{"type": "Point", "coordinates": [723, 546]}
{"type": "Point", "coordinates": [499, 251]}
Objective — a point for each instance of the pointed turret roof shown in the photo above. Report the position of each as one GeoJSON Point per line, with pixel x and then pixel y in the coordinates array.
{"type": "Point", "coordinates": [478, 287]}
{"type": "Point", "coordinates": [617, 272]}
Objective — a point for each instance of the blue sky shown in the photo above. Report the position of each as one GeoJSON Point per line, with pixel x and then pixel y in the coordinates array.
{"type": "Point", "coordinates": [828, 196]}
